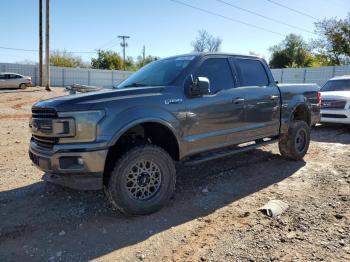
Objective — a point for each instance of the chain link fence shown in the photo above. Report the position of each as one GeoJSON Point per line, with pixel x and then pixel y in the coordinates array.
{"type": "Point", "coordinates": [64, 76]}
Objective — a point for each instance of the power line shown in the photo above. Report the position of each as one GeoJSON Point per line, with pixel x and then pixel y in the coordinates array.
{"type": "Point", "coordinates": [226, 17]}
{"type": "Point", "coordinates": [263, 16]}
{"type": "Point", "coordinates": [34, 50]}
{"type": "Point", "coordinates": [292, 9]}
{"type": "Point", "coordinates": [108, 43]}
{"type": "Point", "coordinates": [18, 49]}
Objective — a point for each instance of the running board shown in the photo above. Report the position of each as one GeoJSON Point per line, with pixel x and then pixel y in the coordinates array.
{"type": "Point", "coordinates": [198, 159]}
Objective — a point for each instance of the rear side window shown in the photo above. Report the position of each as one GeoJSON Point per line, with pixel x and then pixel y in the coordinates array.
{"type": "Point", "coordinates": [251, 73]}
{"type": "Point", "coordinates": [336, 85]}
{"type": "Point", "coordinates": [3, 76]}
{"type": "Point", "coordinates": [13, 76]}
{"type": "Point", "coordinates": [219, 73]}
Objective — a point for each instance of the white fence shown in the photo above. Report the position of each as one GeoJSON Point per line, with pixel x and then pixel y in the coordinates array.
{"type": "Point", "coordinates": [64, 76]}
{"type": "Point", "coordinates": [318, 75]}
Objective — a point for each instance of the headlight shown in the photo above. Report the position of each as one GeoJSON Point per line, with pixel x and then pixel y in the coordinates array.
{"type": "Point", "coordinates": [85, 125]}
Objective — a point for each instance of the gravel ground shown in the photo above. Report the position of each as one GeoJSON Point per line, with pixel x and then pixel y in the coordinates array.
{"type": "Point", "coordinates": [213, 216]}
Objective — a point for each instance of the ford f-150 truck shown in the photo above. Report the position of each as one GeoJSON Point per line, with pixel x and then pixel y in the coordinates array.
{"type": "Point", "coordinates": [188, 109]}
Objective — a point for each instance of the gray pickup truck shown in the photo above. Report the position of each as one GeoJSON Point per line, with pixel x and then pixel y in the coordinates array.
{"type": "Point", "coordinates": [188, 109]}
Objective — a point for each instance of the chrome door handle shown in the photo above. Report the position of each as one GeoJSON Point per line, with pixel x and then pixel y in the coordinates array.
{"type": "Point", "coordinates": [238, 100]}
{"type": "Point", "coordinates": [274, 97]}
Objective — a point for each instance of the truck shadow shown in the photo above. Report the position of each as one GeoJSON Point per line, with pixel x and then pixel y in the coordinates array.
{"type": "Point", "coordinates": [19, 90]}
{"type": "Point", "coordinates": [331, 133]}
{"type": "Point", "coordinates": [40, 220]}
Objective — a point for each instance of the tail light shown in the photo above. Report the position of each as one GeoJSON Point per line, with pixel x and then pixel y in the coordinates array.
{"type": "Point", "coordinates": [319, 98]}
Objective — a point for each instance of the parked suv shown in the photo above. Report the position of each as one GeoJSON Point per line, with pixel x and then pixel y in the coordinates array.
{"type": "Point", "coordinates": [13, 80]}
{"type": "Point", "coordinates": [187, 109]}
{"type": "Point", "coordinates": [335, 94]}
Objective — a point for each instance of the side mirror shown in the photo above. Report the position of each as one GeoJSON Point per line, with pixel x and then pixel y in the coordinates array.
{"type": "Point", "coordinates": [200, 86]}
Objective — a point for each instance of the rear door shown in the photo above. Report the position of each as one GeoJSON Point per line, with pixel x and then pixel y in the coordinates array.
{"type": "Point", "coordinates": [262, 98]}
{"type": "Point", "coordinates": [3, 79]}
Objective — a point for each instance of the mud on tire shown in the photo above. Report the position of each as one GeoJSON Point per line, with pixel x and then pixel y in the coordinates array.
{"type": "Point", "coordinates": [295, 143]}
{"type": "Point", "coordinates": [142, 180]}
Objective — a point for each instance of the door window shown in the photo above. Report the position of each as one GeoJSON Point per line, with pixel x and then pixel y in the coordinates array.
{"type": "Point", "coordinates": [2, 76]}
{"type": "Point", "coordinates": [251, 73]}
{"type": "Point", "coordinates": [13, 76]}
{"type": "Point", "coordinates": [219, 73]}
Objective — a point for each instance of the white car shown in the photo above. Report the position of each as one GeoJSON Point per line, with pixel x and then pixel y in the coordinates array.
{"type": "Point", "coordinates": [13, 80]}
{"type": "Point", "coordinates": [335, 97]}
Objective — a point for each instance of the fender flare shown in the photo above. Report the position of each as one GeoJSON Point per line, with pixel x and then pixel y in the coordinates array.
{"type": "Point", "coordinates": [305, 106]}
{"type": "Point", "coordinates": [160, 121]}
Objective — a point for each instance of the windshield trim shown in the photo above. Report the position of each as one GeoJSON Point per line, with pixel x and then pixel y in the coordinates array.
{"type": "Point", "coordinates": [190, 58]}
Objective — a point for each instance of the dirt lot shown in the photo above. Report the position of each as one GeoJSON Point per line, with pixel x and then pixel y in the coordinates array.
{"type": "Point", "coordinates": [213, 216]}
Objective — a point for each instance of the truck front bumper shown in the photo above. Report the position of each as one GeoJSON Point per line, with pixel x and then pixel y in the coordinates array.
{"type": "Point", "coordinates": [341, 116]}
{"type": "Point", "coordinates": [71, 167]}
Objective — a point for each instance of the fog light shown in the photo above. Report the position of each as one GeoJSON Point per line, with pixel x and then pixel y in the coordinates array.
{"type": "Point", "coordinates": [71, 162]}
{"type": "Point", "coordinates": [80, 161]}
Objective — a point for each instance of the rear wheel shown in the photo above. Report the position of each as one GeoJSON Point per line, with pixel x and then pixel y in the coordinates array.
{"type": "Point", "coordinates": [22, 86]}
{"type": "Point", "coordinates": [295, 143]}
{"type": "Point", "coordinates": [142, 180]}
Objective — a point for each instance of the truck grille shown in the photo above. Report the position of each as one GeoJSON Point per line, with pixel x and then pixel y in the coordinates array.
{"type": "Point", "coordinates": [44, 113]}
{"type": "Point", "coordinates": [333, 104]}
{"type": "Point", "coordinates": [39, 112]}
{"type": "Point", "coordinates": [47, 142]}
{"type": "Point", "coordinates": [34, 158]}
{"type": "Point", "coordinates": [333, 116]}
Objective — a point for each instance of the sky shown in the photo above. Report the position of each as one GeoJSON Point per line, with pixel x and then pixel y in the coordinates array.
{"type": "Point", "coordinates": [165, 28]}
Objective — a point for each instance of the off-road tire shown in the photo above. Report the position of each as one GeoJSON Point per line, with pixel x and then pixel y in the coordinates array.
{"type": "Point", "coordinates": [118, 192]}
{"type": "Point", "coordinates": [288, 142]}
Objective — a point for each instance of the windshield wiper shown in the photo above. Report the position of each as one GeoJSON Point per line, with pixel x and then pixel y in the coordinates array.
{"type": "Point", "coordinates": [135, 85]}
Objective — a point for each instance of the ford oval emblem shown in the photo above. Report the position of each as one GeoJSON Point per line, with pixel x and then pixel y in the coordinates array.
{"type": "Point", "coordinates": [35, 126]}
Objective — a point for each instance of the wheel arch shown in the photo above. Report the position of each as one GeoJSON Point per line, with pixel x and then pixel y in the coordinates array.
{"type": "Point", "coordinates": [301, 112]}
{"type": "Point", "coordinates": [152, 130]}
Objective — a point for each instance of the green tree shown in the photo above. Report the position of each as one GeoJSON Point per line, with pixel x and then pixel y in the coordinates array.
{"type": "Point", "coordinates": [333, 43]}
{"type": "Point", "coordinates": [130, 64]}
{"type": "Point", "coordinates": [279, 59]}
{"type": "Point", "coordinates": [107, 60]}
{"type": "Point", "coordinates": [205, 42]}
{"type": "Point", "coordinates": [142, 62]}
{"type": "Point", "coordinates": [65, 59]}
{"type": "Point", "coordinates": [293, 51]}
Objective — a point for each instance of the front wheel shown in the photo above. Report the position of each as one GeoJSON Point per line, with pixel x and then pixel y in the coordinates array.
{"type": "Point", "coordinates": [142, 180]}
{"type": "Point", "coordinates": [295, 143]}
{"type": "Point", "coordinates": [22, 86]}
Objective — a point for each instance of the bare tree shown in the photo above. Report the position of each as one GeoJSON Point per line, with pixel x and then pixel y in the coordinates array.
{"type": "Point", "coordinates": [205, 42]}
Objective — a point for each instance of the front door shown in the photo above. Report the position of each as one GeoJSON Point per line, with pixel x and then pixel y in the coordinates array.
{"type": "Point", "coordinates": [214, 120]}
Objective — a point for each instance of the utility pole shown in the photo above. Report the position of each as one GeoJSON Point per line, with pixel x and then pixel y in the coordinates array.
{"type": "Point", "coordinates": [47, 45]}
{"type": "Point", "coordinates": [143, 54]}
{"type": "Point", "coordinates": [40, 42]}
{"type": "Point", "coordinates": [124, 44]}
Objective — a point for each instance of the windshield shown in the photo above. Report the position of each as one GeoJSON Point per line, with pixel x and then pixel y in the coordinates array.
{"type": "Point", "coordinates": [336, 85]}
{"type": "Point", "coordinates": [158, 73]}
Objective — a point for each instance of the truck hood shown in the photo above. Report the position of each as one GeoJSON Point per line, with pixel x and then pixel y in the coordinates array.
{"type": "Point", "coordinates": [95, 100]}
{"type": "Point", "coordinates": [344, 95]}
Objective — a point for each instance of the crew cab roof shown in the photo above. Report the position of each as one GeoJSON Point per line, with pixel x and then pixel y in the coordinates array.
{"type": "Point", "coordinates": [344, 77]}
{"type": "Point", "coordinates": [215, 53]}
